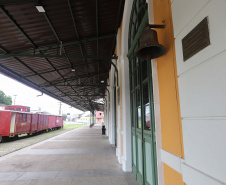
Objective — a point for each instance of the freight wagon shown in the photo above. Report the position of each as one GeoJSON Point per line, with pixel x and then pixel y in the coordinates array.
{"type": "Point", "coordinates": [14, 123]}
{"type": "Point", "coordinates": [55, 122]}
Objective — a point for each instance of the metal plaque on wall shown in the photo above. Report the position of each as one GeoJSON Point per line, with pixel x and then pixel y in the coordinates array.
{"type": "Point", "coordinates": [196, 40]}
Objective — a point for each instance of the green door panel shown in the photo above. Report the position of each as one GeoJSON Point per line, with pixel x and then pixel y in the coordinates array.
{"type": "Point", "coordinates": [134, 151]}
{"type": "Point", "coordinates": [140, 155]}
{"type": "Point", "coordinates": [148, 164]}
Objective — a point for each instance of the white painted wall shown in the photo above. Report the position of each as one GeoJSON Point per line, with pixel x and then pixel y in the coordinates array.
{"type": "Point", "coordinates": [112, 113]}
{"type": "Point", "coordinates": [127, 153]}
{"type": "Point", "coordinates": [156, 105]}
{"type": "Point", "coordinates": [183, 11]}
{"type": "Point", "coordinates": [118, 150]}
{"type": "Point", "coordinates": [204, 141]}
{"type": "Point", "coordinates": [157, 122]}
{"type": "Point", "coordinates": [215, 10]}
{"type": "Point", "coordinates": [202, 87]}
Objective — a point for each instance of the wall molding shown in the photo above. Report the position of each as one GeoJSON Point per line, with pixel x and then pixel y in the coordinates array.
{"type": "Point", "coordinates": [171, 160]}
{"type": "Point", "coordinates": [191, 175]}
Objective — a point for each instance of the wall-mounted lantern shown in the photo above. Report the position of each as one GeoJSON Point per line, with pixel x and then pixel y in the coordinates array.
{"type": "Point", "coordinates": [149, 45]}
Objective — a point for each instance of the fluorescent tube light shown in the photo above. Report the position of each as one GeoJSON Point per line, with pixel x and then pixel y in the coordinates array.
{"type": "Point", "coordinates": [40, 8]}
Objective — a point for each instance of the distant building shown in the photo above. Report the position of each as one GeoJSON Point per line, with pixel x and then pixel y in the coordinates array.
{"type": "Point", "coordinates": [99, 117]}
{"type": "Point", "coordinates": [20, 108]}
{"type": "Point", "coordinates": [84, 120]}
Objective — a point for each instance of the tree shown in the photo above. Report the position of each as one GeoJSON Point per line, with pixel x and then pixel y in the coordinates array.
{"type": "Point", "coordinates": [64, 117]}
{"type": "Point", "coordinates": [7, 100]}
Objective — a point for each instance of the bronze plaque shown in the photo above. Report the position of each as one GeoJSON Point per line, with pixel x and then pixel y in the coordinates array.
{"type": "Point", "coordinates": [196, 40]}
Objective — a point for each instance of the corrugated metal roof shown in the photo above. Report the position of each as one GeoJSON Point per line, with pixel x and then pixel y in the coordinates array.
{"type": "Point", "coordinates": [31, 52]}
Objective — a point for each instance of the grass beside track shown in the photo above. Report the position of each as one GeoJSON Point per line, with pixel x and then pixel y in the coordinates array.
{"type": "Point", "coordinates": [72, 126]}
{"type": "Point", "coordinates": [24, 140]}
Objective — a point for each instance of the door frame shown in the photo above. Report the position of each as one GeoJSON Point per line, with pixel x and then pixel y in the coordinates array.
{"type": "Point", "coordinates": [140, 132]}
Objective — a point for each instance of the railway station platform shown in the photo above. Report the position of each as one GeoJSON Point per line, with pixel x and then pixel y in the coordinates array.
{"type": "Point", "coordinates": [79, 157]}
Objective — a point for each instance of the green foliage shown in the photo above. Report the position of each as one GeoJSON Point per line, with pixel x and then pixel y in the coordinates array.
{"type": "Point", "coordinates": [7, 100]}
{"type": "Point", "coordinates": [65, 117]}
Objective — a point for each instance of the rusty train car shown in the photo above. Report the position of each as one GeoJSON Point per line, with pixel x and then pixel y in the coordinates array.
{"type": "Point", "coordinates": [14, 123]}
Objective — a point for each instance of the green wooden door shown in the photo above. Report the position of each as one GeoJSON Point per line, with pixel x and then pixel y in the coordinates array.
{"type": "Point", "coordinates": [142, 107]}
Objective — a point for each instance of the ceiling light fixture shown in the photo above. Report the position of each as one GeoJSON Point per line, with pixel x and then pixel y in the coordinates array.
{"type": "Point", "coordinates": [102, 81]}
{"type": "Point", "coordinates": [73, 70]}
{"type": "Point", "coordinates": [40, 7]}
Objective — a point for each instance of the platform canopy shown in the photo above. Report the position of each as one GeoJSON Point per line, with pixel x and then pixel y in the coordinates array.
{"type": "Point", "coordinates": [65, 52]}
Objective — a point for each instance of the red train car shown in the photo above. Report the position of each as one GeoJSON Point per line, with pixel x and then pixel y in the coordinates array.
{"type": "Point", "coordinates": [43, 122]}
{"type": "Point", "coordinates": [22, 123]}
{"type": "Point", "coordinates": [60, 121]}
{"type": "Point", "coordinates": [52, 121]}
{"type": "Point", "coordinates": [55, 121]}
{"type": "Point", "coordinates": [19, 108]}
{"type": "Point", "coordinates": [5, 126]}
{"type": "Point", "coordinates": [34, 123]}
{"type": "Point", "coordinates": [15, 123]}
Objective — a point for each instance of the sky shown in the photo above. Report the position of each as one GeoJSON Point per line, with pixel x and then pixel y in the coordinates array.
{"type": "Point", "coordinates": [28, 97]}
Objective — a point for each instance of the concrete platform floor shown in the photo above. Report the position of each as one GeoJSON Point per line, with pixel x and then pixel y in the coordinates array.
{"type": "Point", "coordinates": [79, 157]}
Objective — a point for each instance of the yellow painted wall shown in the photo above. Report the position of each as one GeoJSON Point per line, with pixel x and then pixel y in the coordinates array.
{"type": "Point", "coordinates": [172, 177]}
{"type": "Point", "coordinates": [167, 76]}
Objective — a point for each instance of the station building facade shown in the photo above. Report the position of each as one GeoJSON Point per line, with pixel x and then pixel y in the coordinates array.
{"type": "Point", "coordinates": [167, 116]}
